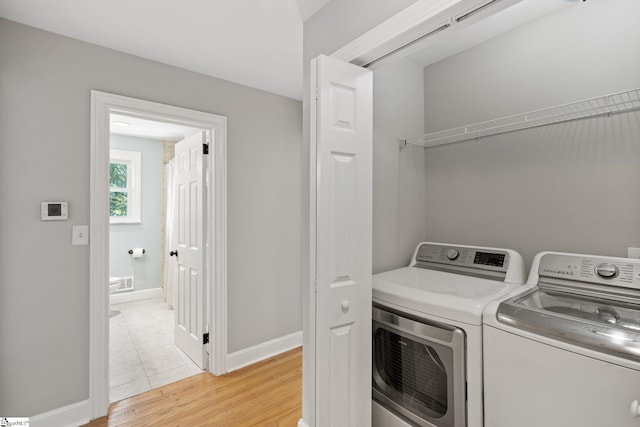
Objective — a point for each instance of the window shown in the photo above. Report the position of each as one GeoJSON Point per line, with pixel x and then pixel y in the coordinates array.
{"type": "Point", "coordinates": [124, 186]}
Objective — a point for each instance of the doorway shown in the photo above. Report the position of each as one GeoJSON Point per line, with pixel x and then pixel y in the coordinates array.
{"type": "Point", "coordinates": [211, 315]}
{"type": "Point", "coordinates": [146, 350]}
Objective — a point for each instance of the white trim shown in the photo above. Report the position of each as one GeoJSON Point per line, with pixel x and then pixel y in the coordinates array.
{"type": "Point", "coordinates": [423, 22]}
{"type": "Point", "coordinates": [394, 28]}
{"type": "Point", "coordinates": [102, 105]}
{"type": "Point", "coordinates": [309, 291]}
{"type": "Point", "coordinates": [98, 256]}
{"type": "Point", "coordinates": [218, 235]}
{"type": "Point", "coordinates": [257, 353]}
{"type": "Point", "coordinates": [135, 295]}
{"type": "Point", "coordinates": [73, 415]}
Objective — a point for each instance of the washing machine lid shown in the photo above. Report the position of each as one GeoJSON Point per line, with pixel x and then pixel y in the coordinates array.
{"type": "Point", "coordinates": [447, 295]}
{"type": "Point", "coordinates": [600, 323]}
{"type": "Point", "coordinates": [586, 300]}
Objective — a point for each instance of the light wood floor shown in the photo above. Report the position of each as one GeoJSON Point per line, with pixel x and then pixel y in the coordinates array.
{"type": "Point", "coordinates": [268, 393]}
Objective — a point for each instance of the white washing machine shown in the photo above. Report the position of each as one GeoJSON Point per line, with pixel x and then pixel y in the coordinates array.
{"type": "Point", "coordinates": [427, 333]}
{"type": "Point", "coordinates": [566, 351]}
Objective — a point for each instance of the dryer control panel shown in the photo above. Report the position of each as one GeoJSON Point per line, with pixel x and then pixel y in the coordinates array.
{"type": "Point", "coordinates": [461, 256]}
{"type": "Point", "coordinates": [504, 265]}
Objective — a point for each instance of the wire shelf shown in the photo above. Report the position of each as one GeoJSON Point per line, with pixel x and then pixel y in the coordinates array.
{"type": "Point", "coordinates": [602, 105]}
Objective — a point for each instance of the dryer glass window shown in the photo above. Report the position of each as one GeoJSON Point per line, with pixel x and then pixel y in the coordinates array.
{"type": "Point", "coordinates": [414, 371]}
{"type": "Point", "coordinates": [418, 368]}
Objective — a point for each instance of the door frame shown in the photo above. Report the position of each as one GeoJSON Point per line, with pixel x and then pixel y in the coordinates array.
{"type": "Point", "coordinates": [102, 105]}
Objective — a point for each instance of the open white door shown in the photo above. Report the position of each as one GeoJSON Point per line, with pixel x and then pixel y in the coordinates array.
{"type": "Point", "coordinates": [188, 236]}
{"type": "Point", "coordinates": [338, 322]}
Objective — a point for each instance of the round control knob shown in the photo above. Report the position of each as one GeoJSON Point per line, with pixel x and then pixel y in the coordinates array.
{"type": "Point", "coordinates": [453, 254]}
{"type": "Point", "coordinates": [607, 271]}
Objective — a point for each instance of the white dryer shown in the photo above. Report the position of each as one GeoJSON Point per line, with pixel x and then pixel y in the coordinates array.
{"type": "Point", "coordinates": [566, 351]}
{"type": "Point", "coordinates": [427, 333]}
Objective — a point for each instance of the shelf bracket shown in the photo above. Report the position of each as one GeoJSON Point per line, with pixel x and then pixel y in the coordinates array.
{"type": "Point", "coordinates": [402, 143]}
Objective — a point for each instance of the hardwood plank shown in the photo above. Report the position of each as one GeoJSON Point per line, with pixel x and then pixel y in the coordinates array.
{"type": "Point", "coordinates": [268, 393]}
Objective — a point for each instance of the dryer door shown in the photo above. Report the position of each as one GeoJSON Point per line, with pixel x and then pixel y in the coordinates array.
{"type": "Point", "coordinates": [418, 369]}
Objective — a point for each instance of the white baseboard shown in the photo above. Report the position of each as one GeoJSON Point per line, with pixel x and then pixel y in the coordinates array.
{"type": "Point", "coordinates": [73, 415]}
{"type": "Point", "coordinates": [251, 355]}
{"type": "Point", "coordinates": [119, 298]}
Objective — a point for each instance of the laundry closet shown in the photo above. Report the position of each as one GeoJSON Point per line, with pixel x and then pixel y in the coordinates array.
{"type": "Point", "coordinates": [528, 142]}
{"type": "Point", "coordinates": [569, 186]}
{"type": "Point", "coordinates": [516, 135]}
{"type": "Point", "coordinates": [525, 141]}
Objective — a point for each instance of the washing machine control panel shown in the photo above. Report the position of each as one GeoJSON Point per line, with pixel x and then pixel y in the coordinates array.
{"type": "Point", "coordinates": [620, 272]}
{"type": "Point", "coordinates": [462, 256]}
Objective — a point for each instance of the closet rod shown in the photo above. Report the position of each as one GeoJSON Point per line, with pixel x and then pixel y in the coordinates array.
{"type": "Point", "coordinates": [601, 105]}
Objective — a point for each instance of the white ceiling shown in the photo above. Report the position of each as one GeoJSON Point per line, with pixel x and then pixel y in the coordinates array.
{"type": "Point", "coordinates": [310, 7]}
{"type": "Point", "coordinates": [133, 126]}
{"type": "Point", "coordinates": [459, 38]}
{"type": "Point", "coordinates": [256, 43]}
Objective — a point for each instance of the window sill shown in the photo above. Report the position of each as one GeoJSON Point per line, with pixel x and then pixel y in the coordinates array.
{"type": "Point", "coordinates": [124, 222]}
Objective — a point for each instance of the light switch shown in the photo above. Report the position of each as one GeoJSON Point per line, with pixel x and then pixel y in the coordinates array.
{"type": "Point", "coordinates": [80, 235]}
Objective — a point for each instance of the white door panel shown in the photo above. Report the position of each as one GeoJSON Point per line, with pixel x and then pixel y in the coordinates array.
{"type": "Point", "coordinates": [189, 236]}
{"type": "Point", "coordinates": [343, 150]}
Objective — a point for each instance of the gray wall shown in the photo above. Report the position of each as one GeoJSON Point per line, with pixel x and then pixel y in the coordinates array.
{"type": "Point", "coordinates": [147, 271]}
{"type": "Point", "coordinates": [567, 187]}
{"type": "Point", "coordinates": [399, 177]}
{"type": "Point", "coordinates": [45, 89]}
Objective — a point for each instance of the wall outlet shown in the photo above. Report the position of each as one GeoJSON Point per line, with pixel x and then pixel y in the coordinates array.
{"type": "Point", "coordinates": [633, 253]}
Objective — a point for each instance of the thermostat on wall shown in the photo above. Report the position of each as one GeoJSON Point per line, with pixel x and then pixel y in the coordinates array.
{"type": "Point", "coordinates": [54, 211]}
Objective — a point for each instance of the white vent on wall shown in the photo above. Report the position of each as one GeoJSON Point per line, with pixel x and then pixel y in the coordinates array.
{"type": "Point", "coordinates": [127, 283]}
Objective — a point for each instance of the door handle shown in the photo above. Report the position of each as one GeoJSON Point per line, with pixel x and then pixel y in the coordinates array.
{"type": "Point", "coordinates": [345, 306]}
{"type": "Point", "coordinates": [173, 253]}
{"type": "Point", "coordinates": [635, 409]}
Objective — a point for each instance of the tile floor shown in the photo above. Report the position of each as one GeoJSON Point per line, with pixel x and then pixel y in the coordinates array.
{"type": "Point", "coordinates": [142, 351]}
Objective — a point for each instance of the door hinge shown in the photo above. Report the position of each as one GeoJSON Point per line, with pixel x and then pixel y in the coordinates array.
{"type": "Point", "coordinates": [205, 338]}
{"type": "Point", "coordinates": [205, 148]}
